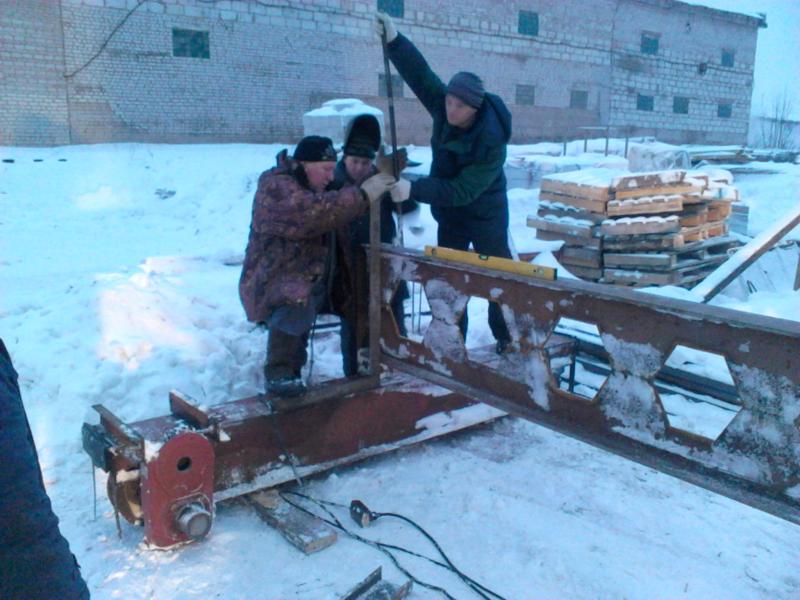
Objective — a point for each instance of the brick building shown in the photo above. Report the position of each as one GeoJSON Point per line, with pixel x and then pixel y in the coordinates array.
{"type": "Point", "coordinates": [85, 71]}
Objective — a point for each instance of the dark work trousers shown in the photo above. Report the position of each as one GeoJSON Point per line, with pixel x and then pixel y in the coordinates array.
{"type": "Point", "coordinates": [492, 242]}
{"type": "Point", "coordinates": [348, 334]}
{"type": "Point", "coordinates": [289, 327]}
{"type": "Point", "coordinates": [35, 559]}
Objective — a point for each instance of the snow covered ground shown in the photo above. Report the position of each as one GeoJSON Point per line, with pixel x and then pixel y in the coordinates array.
{"type": "Point", "coordinates": [118, 282]}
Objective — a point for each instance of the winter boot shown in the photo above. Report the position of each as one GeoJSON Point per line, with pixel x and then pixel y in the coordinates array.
{"type": "Point", "coordinates": [286, 387]}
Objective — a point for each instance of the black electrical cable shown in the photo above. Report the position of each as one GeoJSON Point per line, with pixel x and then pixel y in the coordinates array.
{"type": "Point", "coordinates": [109, 37]}
{"type": "Point", "coordinates": [378, 545]}
{"type": "Point", "coordinates": [477, 587]}
{"type": "Point", "coordinates": [470, 582]}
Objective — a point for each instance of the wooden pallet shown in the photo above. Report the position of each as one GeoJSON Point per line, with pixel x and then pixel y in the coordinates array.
{"type": "Point", "coordinates": [582, 257]}
{"type": "Point", "coordinates": [568, 226]}
{"type": "Point", "coordinates": [683, 273]}
{"type": "Point", "coordinates": [569, 240]}
{"type": "Point", "coordinates": [645, 206]}
{"type": "Point", "coordinates": [639, 226]}
{"type": "Point", "coordinates": [667, 190]}
{"type": "Point", "coordinates": [556, 209]}
{"type": "Point", "coordinates": [588, 204]}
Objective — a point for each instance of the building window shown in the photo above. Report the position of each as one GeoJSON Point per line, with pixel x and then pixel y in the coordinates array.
{"type": "Point", "coordinates": [191, 43]}
{"type": "Point", "coordinates": [526, 94]}
{"type": "Point", "coordinates": [644, 102]}
{"type": "Point", "coordinates": [528, 23]}
{"type": "Point", "coordinates": [727, 58]}
{"type": "Point", "coordinates": [397, 86]}
{"type": "Point", "coordinates": [680, 106]}
{"type": "Point", "coordinates": [649, 43]}
{"type": "Point", "coordinates": [393, 8]}
{"type": "Point", "coordinates": [579, 99]}
{"type": "Point", "coordinates": [724, 110]}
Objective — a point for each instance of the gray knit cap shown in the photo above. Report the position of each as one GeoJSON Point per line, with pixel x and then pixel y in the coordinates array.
{"type": "Point", "coordinates": [468, 88]}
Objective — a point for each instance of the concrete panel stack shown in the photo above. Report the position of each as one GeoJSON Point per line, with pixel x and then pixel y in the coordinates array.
{"type": "Point", "coordinates": [659, 228]}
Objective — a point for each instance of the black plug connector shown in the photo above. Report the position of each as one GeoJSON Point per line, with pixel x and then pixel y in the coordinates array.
{"type": "Point", "coordinates": [361, 514]}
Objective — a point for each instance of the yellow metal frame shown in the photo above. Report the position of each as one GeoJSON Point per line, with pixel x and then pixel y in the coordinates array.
{"type": "Point", "coordinates": [492, 262]}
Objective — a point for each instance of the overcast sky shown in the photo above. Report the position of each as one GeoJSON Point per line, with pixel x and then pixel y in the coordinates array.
{"type": "Point", "coordinates": [778, 51]}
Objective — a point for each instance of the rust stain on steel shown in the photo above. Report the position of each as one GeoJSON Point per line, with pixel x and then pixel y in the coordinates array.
{"type": "Point", "coordinates": [761, 445]}
{"type": "Point", "coordinates": [247, 444]}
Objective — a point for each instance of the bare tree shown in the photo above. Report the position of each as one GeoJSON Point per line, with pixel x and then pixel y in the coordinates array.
{"type": "Point", "coordinates": [777, 126]}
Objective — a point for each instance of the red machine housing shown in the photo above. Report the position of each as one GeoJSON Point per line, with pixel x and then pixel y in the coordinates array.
{"type": "Point", "coordinates": [177, 490]}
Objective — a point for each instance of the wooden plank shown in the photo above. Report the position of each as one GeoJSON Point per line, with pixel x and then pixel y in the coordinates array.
{"type": "Point", "coordinates": [689, 199]}
{"type": "Point", "coordinates": [654, 179]}
{"type": "Point", "coordinates": [645, 206]}
{"type": "Point", "coordinates": [694, 234]}
{"type": "Point", "coordinates": [556, 209]}
{"type": "Point", "coordinates": [587, 204]}
{"type": "Point", "coordinates": [639, 225]}
{"type": "Point", "coordinates": [584, 257]}
{"type": "Point", "coordinates": [747, 255]}
{"type": "Point", "coordinates": [716, 229]}
{"type": "Point", "coordinates": [693, 219]}
{"type": "Point", "coordinates": [584, 272]}
{"type": "Point", "coordinates": [651, 260]}
{"type": "Point", "coordinates": [303, 531]}
{"type": "Point", "coordinates": [719, 210]}
{"type": "Point", "coordinates": [667, 190]}
{"type": "Point", "coordinates": [568, 226]}
{"type": "Point", "coordinates": [635, 243]}
{"type": "Point", "coordinates": [584, 183]}
{"type": "Point", "coordinates": [569, 240]}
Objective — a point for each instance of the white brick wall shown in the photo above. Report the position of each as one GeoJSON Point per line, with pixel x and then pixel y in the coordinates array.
{"type": "Point", "coordinates": [269, 64]}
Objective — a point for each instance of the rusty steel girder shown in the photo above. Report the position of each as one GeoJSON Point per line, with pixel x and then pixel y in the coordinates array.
{"type": "Point", "coordinates": [167, 473]}
{"type": "Point", "coordinates": [756, 457]}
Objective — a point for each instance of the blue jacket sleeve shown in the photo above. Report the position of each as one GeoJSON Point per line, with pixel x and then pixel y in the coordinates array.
{"type": "Point", "coordinates": [416, 72]}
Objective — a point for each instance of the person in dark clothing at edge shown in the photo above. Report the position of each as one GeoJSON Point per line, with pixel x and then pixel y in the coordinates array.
{"type": "Point", "coordinates": [293, 251]}
{"type": "Point", "coordinates": [362, 141]}
{"type": "Point", "coordinates": [467, 186]}
{"type": "Point", "coordinates": [35, 559]}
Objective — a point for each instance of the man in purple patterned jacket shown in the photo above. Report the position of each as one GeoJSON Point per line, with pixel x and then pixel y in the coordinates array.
{"type": "Point", "coordinates": [293, 255]}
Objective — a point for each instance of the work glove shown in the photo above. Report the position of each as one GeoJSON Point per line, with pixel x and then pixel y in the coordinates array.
{"type": "Point", "coordinates": [383, 23]}
{"type": "Point", "coordinates": [400, 191]}
{"type": "Point", "coordinates": [376, 186]}
{"type": "Point", "coordinates": [384, 161]}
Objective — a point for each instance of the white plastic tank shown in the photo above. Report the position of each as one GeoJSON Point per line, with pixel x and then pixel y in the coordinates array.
{"type": "Point", "coordinates": [333, 117]}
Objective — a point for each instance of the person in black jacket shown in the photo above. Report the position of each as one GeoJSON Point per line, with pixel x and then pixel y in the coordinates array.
{"type": "Point", "coordinates": [35, 560]}
{"type": "Point", "coordinates": [362, 141]}
{"type": "Point", "coordinates": [467, 186]}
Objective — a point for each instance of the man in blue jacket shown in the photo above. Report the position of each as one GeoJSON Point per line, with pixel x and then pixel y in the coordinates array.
{"type": "Point", "coordinates": [35, 560]}
{"type": "Point", "coordinates": [467, 186]}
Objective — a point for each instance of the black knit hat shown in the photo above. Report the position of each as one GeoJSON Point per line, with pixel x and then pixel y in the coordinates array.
{"type": "Point", "coordinates": [315, 148]}
{"type": "Point", "coordinates": [363, 137]}
{"type": "Point", "coordinates": [468, 88]}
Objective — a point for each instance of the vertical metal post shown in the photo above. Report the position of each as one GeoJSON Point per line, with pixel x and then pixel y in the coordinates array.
{"type": "Point", "coordinates": [585, 141]}
{"type": "Point", "coordinates": [606, 152]}
{"type": "Point", "coordinates": [392, 127]}
{"type": "Point", "coordinates": [627, 137]}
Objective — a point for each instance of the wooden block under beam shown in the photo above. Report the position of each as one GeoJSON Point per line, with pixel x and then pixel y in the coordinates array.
{"type": "Point", "coordinates": [303, 531]}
